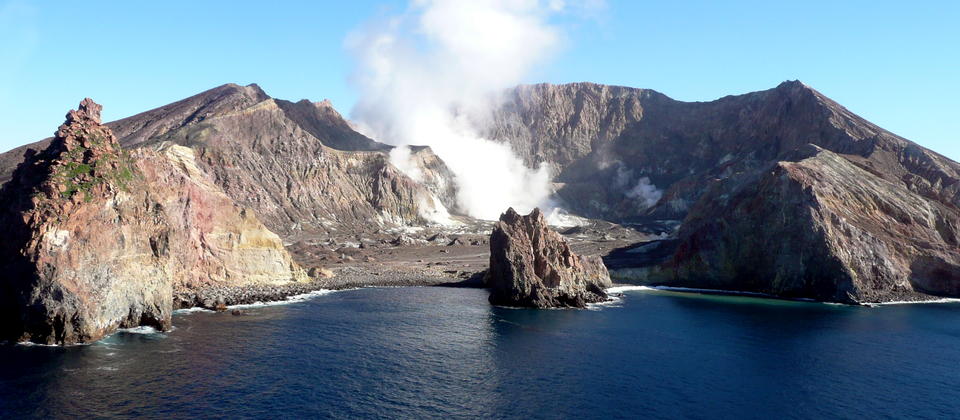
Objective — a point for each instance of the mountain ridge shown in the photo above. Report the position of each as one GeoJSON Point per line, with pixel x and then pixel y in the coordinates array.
{"type": "Point", "coordinates": [285, 147]}
{"type": "Point", "coordinates": [623, 155]}
{"type": "Point", "coordinates": [586, 129]}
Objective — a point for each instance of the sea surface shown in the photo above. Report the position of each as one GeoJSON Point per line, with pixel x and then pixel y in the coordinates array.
{"type": "Point", "coordinates": [446, 353]}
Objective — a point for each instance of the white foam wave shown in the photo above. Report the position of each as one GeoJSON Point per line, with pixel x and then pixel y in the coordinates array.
{"type": "Point", "coordinates": [140, 330]}
{"type": "Point", "coordinates": [612, 302]}
{"type": "Point", "coordinates": [291, 299]}
{"type": "Point", "coordinates": [191, 310]}
{"type": "Point", "coordinates": [621, 289]}
{"type": "Point", "coordinates": [32, 344]}
{"type": "Point", "coordinates": [766, 295]}
{"type": "Point", "coordinates": [913, 302]}
{"type": "Point", "coordinates": [615, 301]}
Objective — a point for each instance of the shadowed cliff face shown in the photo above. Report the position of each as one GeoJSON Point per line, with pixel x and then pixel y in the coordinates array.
{"type": "Point", "coordinates": [299, 166]}
{"type": "Point", "coordinates": [533, 266]}
{"type": "Point", "coordinates": [97, 238]}
{"type": "Point", "coordinates": [817, 226]}
{"type": "Point", "coordinates": [782, 191]}
{"type": "Point", "coordinates": [604, 139]}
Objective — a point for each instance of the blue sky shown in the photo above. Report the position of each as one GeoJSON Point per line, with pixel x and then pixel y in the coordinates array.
{"type": "Point", "coordinates": [895, 63]}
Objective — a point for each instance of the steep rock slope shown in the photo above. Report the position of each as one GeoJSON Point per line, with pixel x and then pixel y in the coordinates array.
{"type": "Point", "coordinates": [218, 242]}
{"type": "Point", "coordinates": [96, 238]}
{"type": "Point", "coordinates": [295, 182]}
{"type": "Point", "coordinates": [604, 140]}
{"type": "Point", "coordinates": [533, 266]}
{"type": "Point", "coordinates": [782, 191]}
{"type": "Point", "coordinates": [561, 124]}
{"type": "Point", "coordinates": [299, 166]}
{"type": "Point", "coordinates": [818, 226]}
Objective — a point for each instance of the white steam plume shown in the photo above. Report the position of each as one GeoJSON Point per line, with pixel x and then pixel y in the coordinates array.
{"type": "Point", "coordinates": [646, 194]}
{"type": "Point", "coordinates": [422, 72]}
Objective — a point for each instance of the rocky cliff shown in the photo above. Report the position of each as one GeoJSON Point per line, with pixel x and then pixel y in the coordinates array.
{"type": "Point", "coordinates": [97, 238]}
{"type": "Point", "coordinates": [626, 154]}
{"type": "Point", "coordinates": [782, 191]}
{"type": "Point", "coordinates": [820, 227]}
{"type": "Point", "coordinates": [619, 154]}
{"type": "Point", "coordinates": [533, 266]}
{"type": "Point", "coordinates": [298, 165]}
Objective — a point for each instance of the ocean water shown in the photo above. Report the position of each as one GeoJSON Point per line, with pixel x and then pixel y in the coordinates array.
{"type": "Point", "coordinates": [445, 353]}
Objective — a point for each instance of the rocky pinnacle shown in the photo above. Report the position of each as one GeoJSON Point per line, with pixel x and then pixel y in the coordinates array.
{"type": "Point", "coordinates": [533, 266]}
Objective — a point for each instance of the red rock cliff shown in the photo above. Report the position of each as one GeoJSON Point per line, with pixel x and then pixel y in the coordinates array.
{"type": "Point", "coordinates": [96, 238]}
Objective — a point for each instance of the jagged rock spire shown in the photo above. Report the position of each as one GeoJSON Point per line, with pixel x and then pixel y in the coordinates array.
{"type": "Point", "coordinates": [533, 266]}
{"type": "Point", "coordinates": [88, 109]}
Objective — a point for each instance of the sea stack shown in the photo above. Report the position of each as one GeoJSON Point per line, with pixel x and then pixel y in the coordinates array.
{"type": "Point", "coordinates": [533, 266]}
{"type": "Point", "coordinates": [83, 248]}
{"type": "Point", "coordinates": [96, 238]}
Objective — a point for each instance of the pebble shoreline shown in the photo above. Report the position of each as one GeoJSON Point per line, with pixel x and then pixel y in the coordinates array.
{"type": "Point", "coordinates": [218, 297]}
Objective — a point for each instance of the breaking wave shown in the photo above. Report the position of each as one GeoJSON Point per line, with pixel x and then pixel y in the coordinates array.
{"type": "Point", "coordinates": [140, 330]}
{"type": "Point", "coordinates": [913, 302]}
{"type": "Point", "coordinates": [621, 289]}
{"type": "Point", "coordinates": [290, 299]}
{"type": "Point", "coordinates": [191, 310]}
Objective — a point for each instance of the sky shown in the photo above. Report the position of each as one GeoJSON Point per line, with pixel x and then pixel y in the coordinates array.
{"type": "Point", "coordinates": [895, 63]}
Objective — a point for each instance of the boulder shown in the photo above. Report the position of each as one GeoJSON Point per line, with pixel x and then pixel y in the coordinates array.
{"type": "Point", "coordinates": [321, 273]}
{"type": "Point", "coordinates": [533, 266]}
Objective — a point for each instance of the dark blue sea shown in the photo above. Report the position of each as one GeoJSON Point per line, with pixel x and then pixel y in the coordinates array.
{"type": "Point", "coordinates": [446, 353]}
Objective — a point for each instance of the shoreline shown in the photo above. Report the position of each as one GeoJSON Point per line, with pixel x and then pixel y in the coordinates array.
{"type": "Point", "coordinates": [243, 297]}
{"type": "Point", "coordinates": [223, 297]}
{"type": "Point", "coordinates": [622, 287]}
{"type": "Point", "coordinates": [231, 296]}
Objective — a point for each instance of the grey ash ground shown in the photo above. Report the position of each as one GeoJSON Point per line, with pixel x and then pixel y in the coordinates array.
{"type": "Point", "coordinates": [439, 255]}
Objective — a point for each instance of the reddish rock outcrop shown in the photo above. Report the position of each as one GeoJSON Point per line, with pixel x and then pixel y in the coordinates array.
{"type": "Point", "coordinates": [533, 266]}
{"type": "Point", "coordinates": [97, 238]}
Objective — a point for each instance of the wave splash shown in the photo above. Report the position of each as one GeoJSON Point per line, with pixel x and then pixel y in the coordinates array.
{"type": "Point", "coordinates": [290, 299]}
{"type": "Point", "coordinates": [621, 289]}
{"type": "Point", "coordinates": [140, 330]}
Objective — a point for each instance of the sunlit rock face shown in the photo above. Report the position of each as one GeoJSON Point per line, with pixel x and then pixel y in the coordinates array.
{"type": "Point", "coordinates": [533, 266]}
{"type": "Point", "coordinates": [617, 153]}
{"type": "Point", "coordinates": [298, 165]}
{"type": "Point", "coordinates": [98, 238]}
